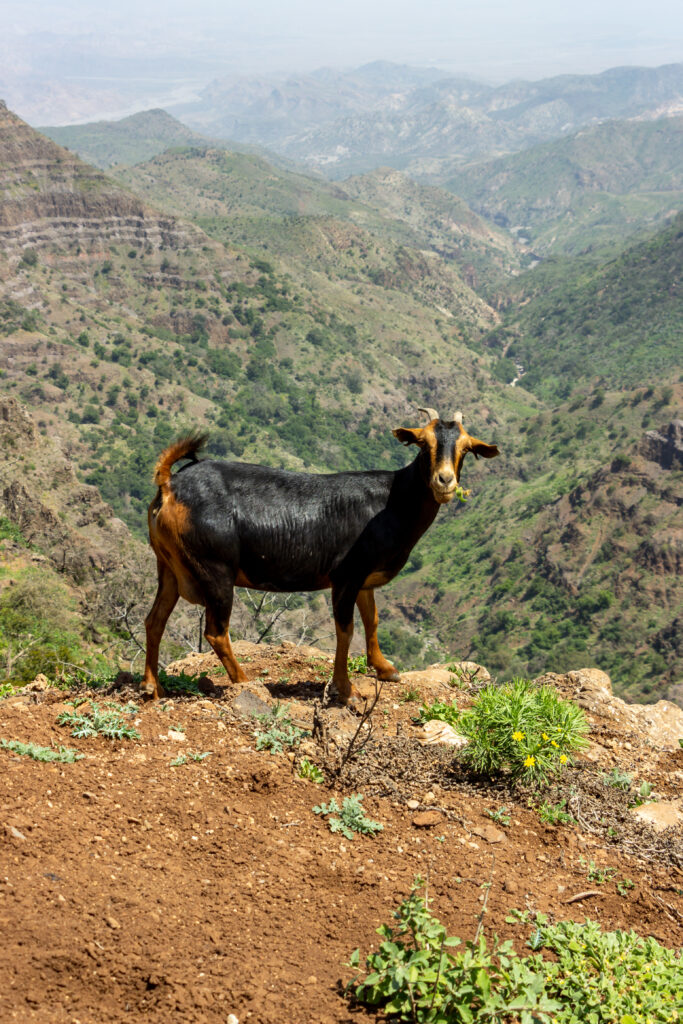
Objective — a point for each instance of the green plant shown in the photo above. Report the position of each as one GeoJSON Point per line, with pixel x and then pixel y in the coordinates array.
{"type": "Point", "coordinates": [643, 795]}
{"type": "Point", "coordinates": [278, 730]}
{"type": "Point", "coordinates": [501, 815]}
{"type": "Point", "coordinates": [6, 690]}
{"type": "Point", "coordinates": [608, 977]}
{"type": "Point", "coordinates": [624, 886]}
{"type": "Point", "coordinates": [596, 874]}
{"type": "Point", "coordinates": [102, 720]}
{"type": "Point", "coordinates": [64, 755]}
{"type": "Point", "coordinates": [408, 695]}
{"type": "Point", "coordinates": [358, 665]}
{"type": "Point", "coordinates": [440, 710]}
{"type": "Point", "coordinates": [310, 771]}
{"type": "Point", "coordinates": [618, 779]}
{"type": "Point", "coordinates": [554, 814]}
{"type": "Point", "coordinates": [415, 977]}
{"type": "Point", "coordinates": [352, 817]}
{"type": "Point", "coordinates": [524, 730]}
{"type": "Point", "coordinates": [179, 760]}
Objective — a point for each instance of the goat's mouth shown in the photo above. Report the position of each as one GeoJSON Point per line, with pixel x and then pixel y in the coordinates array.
{"type": "Point", "coordinates": [444, 494]}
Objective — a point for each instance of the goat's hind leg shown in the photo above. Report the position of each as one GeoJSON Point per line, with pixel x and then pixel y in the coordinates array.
{"type": "Point", "coordinates": [368, 611]}
{"type": "Point", "coordinates": [218, 611]}
{"type": "Point", "coordinates": [155, 623]}
{"type": "Point", "coordinates": [342, 605]}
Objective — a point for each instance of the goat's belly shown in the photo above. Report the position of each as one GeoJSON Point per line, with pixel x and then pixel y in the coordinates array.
{"type": "Point", "coordinates": [283, 583]}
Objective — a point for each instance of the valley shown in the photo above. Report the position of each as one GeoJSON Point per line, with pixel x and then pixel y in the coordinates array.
{"type": "Point", "coordinates": [300, 319]}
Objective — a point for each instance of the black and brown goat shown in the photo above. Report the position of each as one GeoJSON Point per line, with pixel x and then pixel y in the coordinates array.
{"type": "Point", "coordinates": [218, 525]}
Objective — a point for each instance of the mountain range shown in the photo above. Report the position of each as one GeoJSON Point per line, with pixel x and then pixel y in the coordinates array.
{"type": "Point", "coordinates": [300, 320]}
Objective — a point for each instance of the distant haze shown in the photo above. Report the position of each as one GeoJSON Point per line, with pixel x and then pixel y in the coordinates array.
{"type": "Point", "coordinates": [138, 53]}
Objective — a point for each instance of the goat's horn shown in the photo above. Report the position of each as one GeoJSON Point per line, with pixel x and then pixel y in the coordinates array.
{"type": "Point", "coordinates": [431, 414]}
{"type": "Point", "coordinates": [457, 416]}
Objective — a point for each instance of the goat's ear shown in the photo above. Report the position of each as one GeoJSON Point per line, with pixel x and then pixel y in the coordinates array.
{"type": "Point", "coordinates": [487, 451]}
{"type": "Point", "coordinates": [408, 435]}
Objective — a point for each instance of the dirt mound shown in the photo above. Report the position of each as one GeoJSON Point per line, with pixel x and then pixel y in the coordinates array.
{"type": "Point", "coordinates": [184, 875]}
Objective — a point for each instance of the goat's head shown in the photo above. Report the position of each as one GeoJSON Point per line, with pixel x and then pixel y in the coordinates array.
{"type": "Point", "coordinates": [444, 444]}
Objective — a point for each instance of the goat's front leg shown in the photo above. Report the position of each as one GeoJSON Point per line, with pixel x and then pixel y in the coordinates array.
{"type": "Point", "coordinates": [216, 632]}
{"type": "Point", "coordinates": [368, 611]}
{"type": "Point", "coordinates": [343, 600]}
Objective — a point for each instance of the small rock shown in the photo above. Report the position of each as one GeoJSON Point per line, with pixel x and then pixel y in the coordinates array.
{"type": "Point", "coordinates": [440, 732]}
{"type": "Point", "coordinates": [248, 704]}
{"type": "Point", "coordinates": [429, 798]}
{"type": "Point", "coordinates": [660, 815]}
{"type": "Point", "coordinates": [16, 834]}
{"type": "Point", "coordinates": [413, 805]}
{"type": "Point", "coordinates": [427, 819]}
{"type": "Point", "coordinates": [112, 922]}
{"type": "Point", "coordinates": [232, 1019]}
{"type": "Point", "coordinates": [205, 686]}
{"type": "Point", "coordinates": [488, 833]}
{"type": "Point", "coordinates": [510, 886]}
{"type": "Point", "coordinates": [177, 737]}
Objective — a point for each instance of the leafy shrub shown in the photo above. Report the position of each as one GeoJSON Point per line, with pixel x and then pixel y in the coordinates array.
{"type": "Point", "coordinates": [607, 977]}
{"type": "Point", "coordinates": [526, 731]}
{"type": "Point", "coordinates": [415, 977]}
{"type": "Point", "coordinates": [352, 817]}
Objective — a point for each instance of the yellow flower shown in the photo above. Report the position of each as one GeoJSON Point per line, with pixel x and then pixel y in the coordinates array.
{"type": "Point", "coordinates": [563, 758]}
{"type": "Point", "coordinates": [545, 736]}
{"type": "Point", "coordinates": [530, 762]}
{"type": "Point", "coordinates": [554, 744]}
{"type": "Point", "coordinates": [518, 735]}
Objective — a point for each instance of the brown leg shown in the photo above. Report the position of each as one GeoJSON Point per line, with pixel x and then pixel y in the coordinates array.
{"type": "Point", "coordinates": [216, 632]}
{"type": "Point", "coordinates": [342, 605]}
{"type": "Point", "coordinates": [155, 623]}
{"type": "Point", "coordinates": [340, 675]}
{"type": "Point", "coordinates": [368, 611]}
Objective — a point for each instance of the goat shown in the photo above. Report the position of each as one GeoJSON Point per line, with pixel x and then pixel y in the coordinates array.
{"type": "Point", "coordinates": [217, 525]}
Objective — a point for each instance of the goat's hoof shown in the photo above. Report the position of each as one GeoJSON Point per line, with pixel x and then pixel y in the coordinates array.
{"type": "Point", "coordinates": [152, 691]}
{"type": "Point", "coordinates": [389, 675]}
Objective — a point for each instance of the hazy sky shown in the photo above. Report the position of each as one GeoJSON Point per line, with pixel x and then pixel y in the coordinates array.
{"type": "Point", "coordinates": [492, 39]}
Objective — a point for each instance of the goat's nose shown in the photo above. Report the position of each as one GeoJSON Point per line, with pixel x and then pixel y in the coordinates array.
{"type": "Point", "coordinates": [445, 478]}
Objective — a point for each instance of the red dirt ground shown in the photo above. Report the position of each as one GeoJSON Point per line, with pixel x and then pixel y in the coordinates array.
{"type": "Point", "coordinates": [130, 889]}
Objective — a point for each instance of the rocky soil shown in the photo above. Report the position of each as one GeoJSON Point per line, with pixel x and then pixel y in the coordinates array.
{"type": "Point", "coordinates": [131, 886]}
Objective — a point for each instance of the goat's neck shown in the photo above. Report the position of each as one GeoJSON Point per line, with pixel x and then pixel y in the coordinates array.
{"type": "Point", "coordinates": [414, 499]}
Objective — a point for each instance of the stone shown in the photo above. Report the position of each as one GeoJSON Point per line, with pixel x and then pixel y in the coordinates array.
{"type": "Point", "coordinates": [488, 833]}
{"type": "Point", "coordinates": [661, 814]}
{"type": "Point", "coordinates": [413, 805]}
{"type": "Point", "coordinates": [177, 737]}
{"type": "Point", "coordinates": [247, 704]}
{"type": "Point", "coordinates": [427, 819]}
{"type": "Point", "coordinates": [442, 732]}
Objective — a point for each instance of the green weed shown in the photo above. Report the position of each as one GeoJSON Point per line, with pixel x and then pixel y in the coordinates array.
{"type": "Point", "coordinates": [501, 816]}
{"type": "Point", "coordinates": [64, 755]}
{"type": "Point", "coordinates": [554, 814]}
{"type": "Point", "coordinates": [618, 779]}
{"type": "Point", "coordinates": [101, 720]}
{"type": "Point", "coordinates": [310, 771]}
{"type": "Point", "coordinates": [358, 665]}
{"type": "Point", "coordinates": [351, 817]}
{"type": "Point", "coordinates": [278, 731]}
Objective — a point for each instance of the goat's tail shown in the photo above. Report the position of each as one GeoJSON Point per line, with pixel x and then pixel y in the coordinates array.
{"type": "Point", "coordinates": [183, 448]}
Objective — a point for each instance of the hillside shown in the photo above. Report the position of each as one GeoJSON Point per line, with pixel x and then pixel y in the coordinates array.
{"type": "Point", "coordinates": [346, 124]}
{"type": "Point", "coordinates": [189, 826]}
{"type": "Point", "coordinates": [128, 141]}
{"type": "Point", "coordinates": [616, 324]}
{"type": "Point", "coordinates": [120, 336]}
{"type": "Point", "coordinates": [596, 186]}
{"type": "Point", "coordinates": [287, 215]}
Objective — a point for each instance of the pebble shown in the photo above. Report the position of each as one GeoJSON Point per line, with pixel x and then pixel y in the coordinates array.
{"type": "Point", "coordinates": [413, 805]}
{"type": "Point", "coordinates": [427, 819]}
